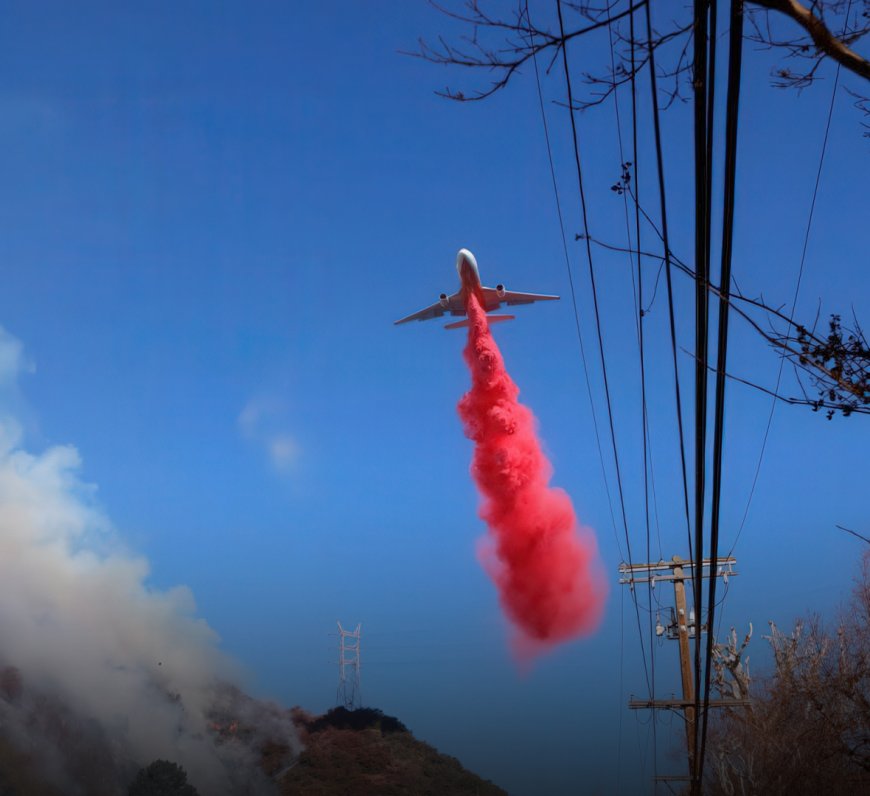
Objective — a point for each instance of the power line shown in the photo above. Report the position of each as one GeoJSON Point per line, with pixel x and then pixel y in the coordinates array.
{"type": "Point", "coordinates": [622, 162]}
{"type": "Point", "coordinates": [660, 170]}
{"type": "Point", "coordinates": [638, 310]}
{"type": "Point", "coordinates": [580, 340]}
{"type": "Point", "coordinates": [732, 104]}
{"type": "Point", "coordinates": [576, 147]}
{"type": "Point", "coordinates": [585, 369]}
{"type": "Point", "coordinates": [702, 278]}
{"type": "Point", "coordinates": [571, 283]}
{"type": "Point", "coordinates": [796, 292]}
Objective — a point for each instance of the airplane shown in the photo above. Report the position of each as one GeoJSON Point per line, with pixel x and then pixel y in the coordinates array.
{"type": "Point", "coordinates": [490, 298]}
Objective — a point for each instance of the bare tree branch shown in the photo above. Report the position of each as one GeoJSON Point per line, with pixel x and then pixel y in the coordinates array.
{"type": "Point", "coordinates": [524, 41]}
{"type": "Point", "coordinates": [855, 533]}
{"type": "Point", "coordinates": [829, 29]}
{"type": "Point", "coordinates": [825, 41]}
{"type": "Point", "coordinates": [837, 365]}
{"type": "Point", "coordinates": [808, 731]}
{"type": "Point", "coordinates": [863, 105]}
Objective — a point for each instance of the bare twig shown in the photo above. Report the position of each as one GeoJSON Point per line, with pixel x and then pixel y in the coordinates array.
{"type": "Point", "coordinates": [854, 533]}
{"type": "Point", "coordinates": [502, 45]}
{"type": "Point", "coordinates": [821, 41]}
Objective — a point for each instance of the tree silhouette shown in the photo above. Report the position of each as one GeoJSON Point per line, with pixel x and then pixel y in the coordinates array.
{"type": "Point", "coordinates": [501, 44]}
{"type": "Point", "coordinates": [808, 728]}
{"type": "Point", "coordinates": [161, 778]}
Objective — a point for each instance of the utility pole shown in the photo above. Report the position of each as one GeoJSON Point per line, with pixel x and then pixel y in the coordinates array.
{"type": "Point", "coordinates": [682, 626]}
{"type": "Point", "coordinates": [348, 695]}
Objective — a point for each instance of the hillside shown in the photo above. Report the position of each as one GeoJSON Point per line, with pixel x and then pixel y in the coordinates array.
{"type": "Point", "coordinates": [367, 753]}
{"type": "Point", "coordinates": [257, 748]}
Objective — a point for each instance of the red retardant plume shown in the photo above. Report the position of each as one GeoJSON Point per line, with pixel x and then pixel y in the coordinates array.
{"type": "Point", "coordinates": [544, 564]}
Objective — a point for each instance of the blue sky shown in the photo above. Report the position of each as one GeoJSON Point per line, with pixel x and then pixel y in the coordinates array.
{"type": "Point", "coordinates": [211, 217]}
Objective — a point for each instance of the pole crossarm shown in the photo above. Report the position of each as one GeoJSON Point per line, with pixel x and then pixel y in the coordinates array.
{"type": "Point", "coordinates": [656, 704]}
{"type": "Point", "coordinates": [723, 567]}
{"type": "Point", "coordinates": [683, 626]}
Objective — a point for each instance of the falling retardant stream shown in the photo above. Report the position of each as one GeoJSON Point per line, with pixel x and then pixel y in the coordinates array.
{"type": "Point", "coordinates": [544, 564]}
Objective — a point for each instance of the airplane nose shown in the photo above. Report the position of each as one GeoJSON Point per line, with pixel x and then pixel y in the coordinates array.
{"type": "Point", "coordinates": [465, 256]}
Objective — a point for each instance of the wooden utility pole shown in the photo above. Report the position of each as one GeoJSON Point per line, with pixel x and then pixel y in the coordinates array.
{"type": "Point", "coordinates": [682, 626]}
{"type": "Point", "coordinates": [685, 660]}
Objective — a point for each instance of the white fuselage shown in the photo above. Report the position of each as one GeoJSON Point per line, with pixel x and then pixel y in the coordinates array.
{"type": "Point", "coordinates": [469, 274]}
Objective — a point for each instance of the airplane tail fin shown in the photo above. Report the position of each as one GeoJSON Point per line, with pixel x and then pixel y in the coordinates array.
{"type": "Point", "coordinates": [490, 318]}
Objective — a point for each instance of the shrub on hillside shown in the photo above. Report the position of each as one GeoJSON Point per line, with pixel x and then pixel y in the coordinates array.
{"type": "Point", "coordinates": [161, 778]}
{"type": "Point", "coordinates": [360, 719]}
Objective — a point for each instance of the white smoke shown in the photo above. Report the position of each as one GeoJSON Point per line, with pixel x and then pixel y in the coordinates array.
{"type": "Point", "coordinates": [79, 621]}
{"type": "Point", "coordinates": [263, 421]}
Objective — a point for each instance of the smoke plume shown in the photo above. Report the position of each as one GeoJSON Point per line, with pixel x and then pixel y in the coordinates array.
{"type": "Point", "coordinates": [94, 663]}
{"type": "Point", "coordinates": [543, 563]}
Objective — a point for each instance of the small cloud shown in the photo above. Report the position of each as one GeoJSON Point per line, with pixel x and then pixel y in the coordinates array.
{"type": "Point", "coordinates": [283, 450]}
{"type": "Point", "coordinates": [12, 360]}
{"type": "Point", "coordinates": [10, 434]}
{"type": "Point", "coordinates": [262, 421]}
{"type": "Point", "coordinates": [248, 419]}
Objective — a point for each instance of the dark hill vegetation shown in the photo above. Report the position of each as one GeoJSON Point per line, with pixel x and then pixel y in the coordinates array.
{"type": "Point", "coordinates": [366, 753]}
{"type": "Point", "coordinates": [47, 749]}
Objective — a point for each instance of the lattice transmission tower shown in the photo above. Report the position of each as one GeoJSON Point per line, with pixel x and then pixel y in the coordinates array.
{"type": "Point", "coordinates": [348, 695]}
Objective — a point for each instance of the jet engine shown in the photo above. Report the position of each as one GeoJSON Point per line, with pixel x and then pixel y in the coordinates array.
{"type": "Point", "coordinates": [499, 291]}
{"type": "Point", "coordinates": [444, 300]}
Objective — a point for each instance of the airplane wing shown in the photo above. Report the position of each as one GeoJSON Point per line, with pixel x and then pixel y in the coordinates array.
{"type": "Point", "coordinates": [449, 304]}
{"type": "Point", "coordinates": [494, 297]}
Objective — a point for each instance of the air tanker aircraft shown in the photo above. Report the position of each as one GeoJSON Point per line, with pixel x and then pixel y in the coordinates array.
{"type": "Point", "coordinates": [469, 281]}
